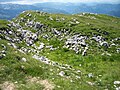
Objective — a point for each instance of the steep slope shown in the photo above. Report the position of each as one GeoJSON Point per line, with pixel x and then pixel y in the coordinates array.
{"type": "Point", "coordinates": [56, 51]}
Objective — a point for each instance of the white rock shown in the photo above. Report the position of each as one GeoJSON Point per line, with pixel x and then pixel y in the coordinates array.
{"type": "Point", "coordinates": [90, 75]}
{"type": "Point", "coordinates": [77, 22]}
{"type": "Point", "coordinates": [113, 44]}
{"type": "Point", "coordinates": [104, 44]}
{"type": "Point", "coordinates": [116, 82]}
{"type": "Point", "coordinates": [23, 59]}
{"type": "Point", "coordinates": [78, 77]}
{"type": "Point", "coordinates": [108, 54]}
{"type": "Point", "coordinates": [117, 88]}
{"type": "Point", "coordinates": [4, 55]}
{"type": "Point", "coordinates": [78, 71]}
{"type": "Point", "coordinates": [118, 50]}
{"type": "Point", "coordinates": [41, 46]}
{"type": "Point", "coordinates": [14, 46]}
{"type": "Point", "coordinates": [10, 32]}
{"type": "Point", "coordinates": [90, 83]}
{"type": "Point", "coordinates": [62, 73]}
{"type": "Point", "coordinates": [51, 18]}
{"type": "Point", "coordinates": [15, 82]}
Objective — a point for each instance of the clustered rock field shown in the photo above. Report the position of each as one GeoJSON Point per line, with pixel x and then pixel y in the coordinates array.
{"type": "Point", "coordinates": [43, 51]}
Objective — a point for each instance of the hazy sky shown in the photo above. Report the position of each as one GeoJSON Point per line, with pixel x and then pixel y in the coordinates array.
{"type": "Point", "coordinates": [40, 1]}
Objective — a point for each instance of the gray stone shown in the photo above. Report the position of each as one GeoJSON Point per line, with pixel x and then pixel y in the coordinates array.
{"type": "Point", "coordinates": [90, 75]}
{"type": "Point", "coordinates": [50, 18]}
{"type": "Point", "coordinates": [24, 59]}
{"type": "Point", "coordinates": [62, 73]}
{"type": "Point", "coordinates": [41, 46]}
{"type": "Point", "coordinates": [118, 50]}
{"type": "Point", "coordinates": [105, 44]}
{"type": "Point", "coordinates": [38, 25]}
{"type": "Point", "coordinates": [1, 56]}
{"type": "Point", "coordinates": [117, 82]}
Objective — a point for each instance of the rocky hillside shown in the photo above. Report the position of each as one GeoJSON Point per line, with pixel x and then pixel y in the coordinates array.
{"type": "Point", "coordinates": [41, 51]}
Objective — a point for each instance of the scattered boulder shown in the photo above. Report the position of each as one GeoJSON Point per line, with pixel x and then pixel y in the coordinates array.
{"type": "Point", "coordinates": [77, 42]}
{"type": "Point", "coordinates": [117, 88]}
{"type": "Point", "coordinates": [41, 46]}
{"type": "Point", "coordinates": [3, 51]}
{"type": "Point", "coordinates": [90, 75]}
{"type": "Point", "coordinates": [29, 15]}
{"type": "Point", "coordinates": [117, 82]}
{"type": "Point", "coordinates": [90, 83]}
{"type": "Point", "coordinates": [24, 59]}
{"type": "Point", "coordinates": [62, 73]}
{"type": "Point", "coordinates": [38, 25]}
{"type": "Point", "coordinates": [105, 44]}
{"type": "Point", "coordinates": [50, 18]}
{"type": "Point", "coordinates": [118, 50]}
{"type": "Point", "coordinates": [30, 23]}
{"type": "Point", "coordinates": [97, 38]}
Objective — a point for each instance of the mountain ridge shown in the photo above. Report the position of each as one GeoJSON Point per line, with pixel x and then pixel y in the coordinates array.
{"type": "Point", "coordinates": [65, 8]}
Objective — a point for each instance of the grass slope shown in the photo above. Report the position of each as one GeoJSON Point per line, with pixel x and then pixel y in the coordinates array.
{"type": "Point", "coordinates": [104, 69]}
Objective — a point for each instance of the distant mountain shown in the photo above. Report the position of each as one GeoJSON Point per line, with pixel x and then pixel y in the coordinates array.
{"type": "Point", "coordinates": [9, 11]}
{"type": "Point", "coordinates": [73, 8]}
